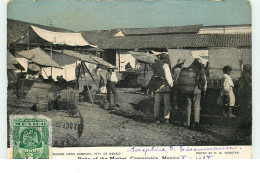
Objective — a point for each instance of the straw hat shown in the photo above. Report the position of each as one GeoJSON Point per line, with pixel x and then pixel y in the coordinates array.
{"type": "Point", "coordinates": [164, 56]}
{"type": "Point", "coordinates": [181, 61]}
{"type": "Point", "coordinates": [34, 67]}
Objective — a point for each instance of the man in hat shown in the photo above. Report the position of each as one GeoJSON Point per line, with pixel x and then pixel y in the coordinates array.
{"type": "Point", "coordinates": [192, 83]}
{"type": "Point", "coordinates": [162, 82]}
{"type": "Point", "coordinates": [175, 75]}
{"type": "Point", "coordinates": [111, 85]}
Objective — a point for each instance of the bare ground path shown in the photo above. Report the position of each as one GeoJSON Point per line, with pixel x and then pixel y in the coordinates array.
{"type": "Point", "coordinates": [131, 125]}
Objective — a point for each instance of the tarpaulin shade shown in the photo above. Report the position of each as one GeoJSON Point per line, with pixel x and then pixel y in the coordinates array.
{"type": "Point", "coordinates": [144, 57]}
{"type": "Point", "coordinates": [79, 56]}
{"type": "Point", "coordinates": [34, 67]}
{"type": "Point", "coordinates": [39, 57]}
{"type": "Point", "coordinates": [62, 38]}
{"type": "Point", "coordinates": [96, 49]}
{"type": "Point", "coordinates": [101, 61]}
{"type": "Point", "coordinates": [84, 57]}
{"type": "Point", "coordinates": [12, 63]}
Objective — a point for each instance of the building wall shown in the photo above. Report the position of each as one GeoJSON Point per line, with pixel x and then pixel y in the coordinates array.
{"type": "Point", "coordinates": [226, 30]}
{"type": "Point", "coordinates": [233, 57]}
{"type": "Point", "coordinates": [188, 55]}
{"type": "Point", "coordinates": [122, 58]}
{"type": "Point", "coordinates": [217, 58]}
{"type": "Point", "coordinates": [109, 56]}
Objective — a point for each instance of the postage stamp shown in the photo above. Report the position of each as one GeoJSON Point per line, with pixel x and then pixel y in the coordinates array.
{"type": "Point", "coordinates": [30, 137]}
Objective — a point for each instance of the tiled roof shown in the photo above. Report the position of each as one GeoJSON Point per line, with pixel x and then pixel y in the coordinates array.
{"type": "Point", "coordinates": [143, 38]}
{"type": "Point", "coordinates": [177, 41]}
{"type": "Point", "coordinates": [162, 30]}
{"type": "Point", "coordinates": [99, 37]}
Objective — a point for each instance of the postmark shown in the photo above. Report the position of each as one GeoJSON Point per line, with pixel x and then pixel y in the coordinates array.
{"type": "Point", "coordinates": [31, 137]}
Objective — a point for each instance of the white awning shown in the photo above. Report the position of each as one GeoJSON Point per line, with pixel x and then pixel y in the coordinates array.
{"type": "Point", "coordinates": [38, 56]}
{"type": "Point", "coordinates": [71, 39]}
{"type": "Point", "coordinates": [144, 57]}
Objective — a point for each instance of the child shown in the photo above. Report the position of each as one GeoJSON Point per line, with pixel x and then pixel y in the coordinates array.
{"type": "Point", "coordinates": [228, 97]}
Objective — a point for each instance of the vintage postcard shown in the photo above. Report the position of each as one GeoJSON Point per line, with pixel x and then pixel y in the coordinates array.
{"type": "Point", "coordinates": [108, 79]}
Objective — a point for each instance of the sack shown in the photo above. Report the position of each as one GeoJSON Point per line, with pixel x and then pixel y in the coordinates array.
{"type": "Point", "coordinates": [187, 80]}
{"type": "Point", "coordinates": [158, 68]}
{"type": "Point", "coordinates": [223, 98]}
{"type": "Point", "coordinates": [164, 89]}
{"type": "Point", "coordinates": [226, 99]}
{"type": "Point", "coordinates": [220, 99]}
{"type": "Point", "coordinates": [103, 89]}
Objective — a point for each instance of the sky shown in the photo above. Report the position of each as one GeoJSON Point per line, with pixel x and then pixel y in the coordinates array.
{"type": "Point", "coordinates": [84, 15]}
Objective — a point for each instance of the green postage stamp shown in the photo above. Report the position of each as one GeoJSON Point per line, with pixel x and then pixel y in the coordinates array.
{"type": "Point", "coordinates": [30, 137]}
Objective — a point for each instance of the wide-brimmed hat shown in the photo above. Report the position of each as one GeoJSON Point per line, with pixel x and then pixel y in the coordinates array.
{"type": "Point", "coordinates": [198, 60]}
{"type": "Point", "coordinates": [181, 61]}
{"type": "Point", "coordinates": [164, 56]}
{"type": "Point", "coordinates": [112, 67]}
{"type": "Point", "coordinates": [34, 67]}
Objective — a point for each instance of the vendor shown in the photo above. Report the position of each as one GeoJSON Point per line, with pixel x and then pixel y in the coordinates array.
{"type": "Point", "coordinates": [86, 93]}
{"type": "Point", "coordinates": [102, 72]}
{"type": "Point", "coordinates": [111, 86]}
{"type": "Point", "coordinates": [128, 66]}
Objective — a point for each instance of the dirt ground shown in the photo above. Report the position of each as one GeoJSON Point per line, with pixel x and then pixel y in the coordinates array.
{"type": "Point", "coordinates": [133, 125]}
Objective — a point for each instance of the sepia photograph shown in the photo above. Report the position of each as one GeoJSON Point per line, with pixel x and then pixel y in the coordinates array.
{"type": "Point", "coordinates": [128, 73]}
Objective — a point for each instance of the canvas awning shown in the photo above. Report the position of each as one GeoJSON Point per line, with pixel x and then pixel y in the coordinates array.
{"type": "Point", "coordinates": [62, 38]}
{"type": "Point", "coordinates": [12, 63]}
{"type": "Point", "coordinates": [89, 58]}
{"type": "Point", "coordinates": [79, 56]}
{"type": "Point", "coordinates": [39, 57]}
{"type": "Point", "coordinates": [101, 61]}
{"type": "Point", "coordinates": [96, 49]}
{"type": "Point", "coordinates": [144, 57]}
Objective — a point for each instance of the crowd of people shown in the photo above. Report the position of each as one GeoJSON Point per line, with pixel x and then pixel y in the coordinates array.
{"type": "Point", "coordinates": [167, 84]}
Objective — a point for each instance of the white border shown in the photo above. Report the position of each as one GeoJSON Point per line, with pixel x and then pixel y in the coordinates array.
{"type": "Point", "coordinates": [3, 80]}
{"type": "Point", "coordinates": [256, 81]}
{"type": "Point", "coordinates": [255, 77]}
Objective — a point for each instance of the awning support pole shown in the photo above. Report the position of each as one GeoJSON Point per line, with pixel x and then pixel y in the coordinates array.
{"type": "Point", "coordinates": [77, 77]}
{"type": "Point", "coordinates": [119, 61]}
{"type": "Point", "coordinates": [28, 45]}
{"type": "Point", "coordinates": [90, 74]}
{"type": "Point", "coordinates": [51, 57]}
{"type": "Point", "coordinates": [77, 65]}
{"type": "Point", "coordinates": [87, 84]}
{"type": "Point", "coordinates": [45, 72]}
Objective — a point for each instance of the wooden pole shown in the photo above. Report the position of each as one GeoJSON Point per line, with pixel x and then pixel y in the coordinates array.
{"type": "Point", "coordinates": [45, 73]}
{"type": "Point", "coordinates": [119, 61]}
{"type": "Point", "coordinates": [87, 84]}
{"type": "Point", "coordinates": [28, 44]}
{"type": "Point", "coordinates": [90, 74]}
{"type": "Point", "coordinates": [51, 57]}
{"type": "Point", "coordinates": [77, 77]}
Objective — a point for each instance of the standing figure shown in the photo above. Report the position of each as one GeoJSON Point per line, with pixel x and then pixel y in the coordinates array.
{"type": "Point", "coordinates": [191, 83]}
{"type": "Point", "coordinates": [128, 66]}
{"type": "Point", "coordinates": [111, 87]}
{"type": "Point", "coordinates": [227, 94]}
{"type": "Point", "coordinates": [102, 72]}
{"type": "Point", "coordinates": [162, 81]}
{"type": "Point", "coordinates": [175, 75]}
